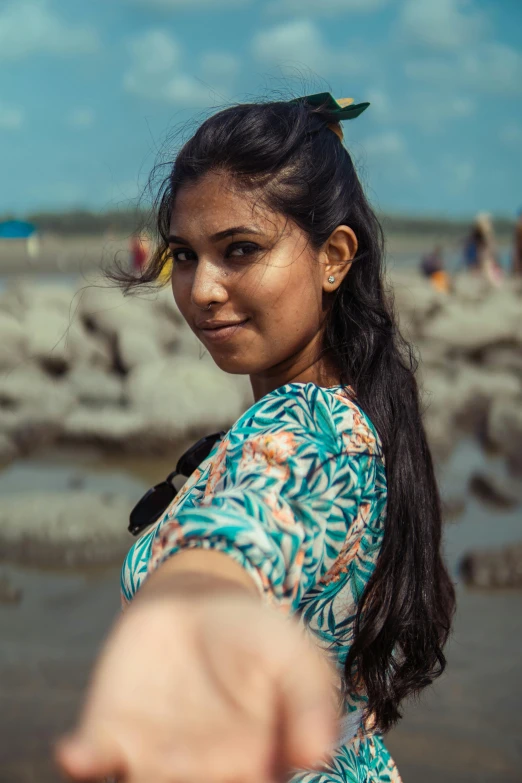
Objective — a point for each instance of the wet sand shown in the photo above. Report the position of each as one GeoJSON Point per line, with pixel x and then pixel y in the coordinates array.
{"type": "Point", "coordinates": [468, 727]}
{"type": "Point", "coordinates": [74, 255]}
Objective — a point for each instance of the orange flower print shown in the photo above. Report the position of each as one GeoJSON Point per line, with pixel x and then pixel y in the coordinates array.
{"type": "Point", "coordinates": [282, 514]}
{"type": "Point", "coordinates": [358, 437]}
{"type": "Point", "coordinates": [217, 468]}
{"type": "Point", "coordinates": [270, 451]}
{"type": "Point", "coordinates": [351, 547]}
{"type": "Point", "coordinates": [169, 534]}
{"type": "Point", "coordinates": [185, 489]}
{"type": "Point", "coordinates": [340, 566]}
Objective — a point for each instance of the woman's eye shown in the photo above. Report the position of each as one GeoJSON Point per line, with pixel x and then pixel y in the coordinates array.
{"type": "Point", "coordinates": [239, 250]}
{"type": "Point", "coordinates": [182, 256]}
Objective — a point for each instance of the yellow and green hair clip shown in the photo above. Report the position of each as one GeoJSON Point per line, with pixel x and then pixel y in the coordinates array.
{"type": "Point", "coordinates": [340, 109]}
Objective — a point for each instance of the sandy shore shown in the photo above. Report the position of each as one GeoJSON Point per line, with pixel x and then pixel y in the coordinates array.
{"type": "Point", "coordinates": [62, 255]}
{"type": "Point", "coordinates": [466, 729]}
{"type": "Point", "coordinates": [86, 254]}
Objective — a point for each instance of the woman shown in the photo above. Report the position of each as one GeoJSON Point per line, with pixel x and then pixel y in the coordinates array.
{"type": "Point", "coordinates": [139, 249]}
{"type": "Point", "coordinates": [480, 254]}
{"type": "Point", "coordinates": [320, 500]}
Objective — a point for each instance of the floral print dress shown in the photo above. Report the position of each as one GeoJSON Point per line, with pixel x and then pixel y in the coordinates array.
{"type": "Point", "coordinates": [296, 494]}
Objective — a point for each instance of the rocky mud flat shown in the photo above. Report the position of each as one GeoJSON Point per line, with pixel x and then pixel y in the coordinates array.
{"type": "Point", "coordinates": [82, 365]}
{"type": "Point", "coordinates": [470, 350]}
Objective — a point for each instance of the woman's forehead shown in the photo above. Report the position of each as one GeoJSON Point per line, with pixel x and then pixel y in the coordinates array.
{"type": "Point", "coordinates": [214, 203]}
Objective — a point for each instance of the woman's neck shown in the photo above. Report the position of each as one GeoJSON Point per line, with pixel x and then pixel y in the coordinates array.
{"type": "Point", "coordinates": [319, 372]}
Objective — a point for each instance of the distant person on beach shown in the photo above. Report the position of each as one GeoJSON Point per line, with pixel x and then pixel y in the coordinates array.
{"type": "Point", "coordinates": [517, 247]}
{"type": "Point", "coordinates": [283, 605]}
{"type": "Point", "coordinates": [432, 267]}
{"type": "Point", "coordinates": [33, 247]}
{"type": "Point", "coordinates": [480, 252]}
{"type": "Point", "coordinates": [139, 251]}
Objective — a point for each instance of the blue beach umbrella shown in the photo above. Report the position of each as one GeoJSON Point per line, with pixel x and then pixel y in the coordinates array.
{"type": "Point", "coordinates": [16, 229]}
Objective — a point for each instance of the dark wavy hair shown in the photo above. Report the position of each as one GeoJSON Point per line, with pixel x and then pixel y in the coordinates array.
{"type": "Point", "coordinates": [285, 151]}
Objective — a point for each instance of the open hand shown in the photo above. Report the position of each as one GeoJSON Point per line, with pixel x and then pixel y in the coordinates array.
{"type": "Point", "coordinates": [205, 689]}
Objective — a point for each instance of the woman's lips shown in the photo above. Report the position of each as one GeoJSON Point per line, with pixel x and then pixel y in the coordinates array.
{"type": "Point", "coordinates": [222, 333]}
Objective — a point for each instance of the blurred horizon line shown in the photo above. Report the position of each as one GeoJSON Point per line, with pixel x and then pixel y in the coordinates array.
{"type": "Point", "coordinates": [78, 220]}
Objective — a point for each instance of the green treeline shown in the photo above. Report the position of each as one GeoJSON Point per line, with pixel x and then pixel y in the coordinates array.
{"type": "Point", "coordinates": [85, 222]}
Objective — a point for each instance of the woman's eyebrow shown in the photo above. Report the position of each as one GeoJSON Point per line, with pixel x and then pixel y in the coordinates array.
{"type": "Point", "coordinates": [228, 232]}
{"type": "Point", "coordinates": [174, 240]}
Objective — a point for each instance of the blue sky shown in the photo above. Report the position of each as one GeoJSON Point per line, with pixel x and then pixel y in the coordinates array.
{"type": "Point", "coordinates": [90, 91]}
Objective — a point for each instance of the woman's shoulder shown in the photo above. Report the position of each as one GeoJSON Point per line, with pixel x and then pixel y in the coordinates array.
{"type": "Point", "coordinates": [331, 415]}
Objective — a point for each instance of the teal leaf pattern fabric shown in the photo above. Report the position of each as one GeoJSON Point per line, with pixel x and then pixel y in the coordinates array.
{"type": "Point", "coordinates": [296, 494]}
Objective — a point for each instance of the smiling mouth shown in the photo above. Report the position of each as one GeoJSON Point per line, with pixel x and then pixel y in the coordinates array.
{"type": "Point", "coordinates": [219, 333]}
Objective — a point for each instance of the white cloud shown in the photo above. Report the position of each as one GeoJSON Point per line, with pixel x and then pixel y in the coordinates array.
{"type": "Point", "coordinates": [427, 110]}
{"type": "Point", "coordinates": [431, 111]}
{"type": "Point", "coordinates": [381, 107]}
{"type": "Point", "coordinates": [511, 135]}
{"type": "Point", "coordinates": [325, 7]}
{"type": "Point", "coordinates": [81, 118]}
{"type": "Point", "coordinates": [383, 144]}
{"type": "Point", "coordinates": [219, 66]}
{"type": "Point", "coordinates": [185, 90]}
{"type": "Point", "coordinates": [11, 118]}
{"type": "Point", "coordinates": [30, 27]}
{"type": "Point", "coordinates": [300, 43]}
{"type": "Point", "coordinates": [174, 5]}
{"type": "Point", "coordinates": [455, 50]}
{"type": "Point", "coordinates": [387, 153]}
{"type": "Point", "coordinates": [461, 107]}
{"type": "Point", "coordinates": [464, 172]}
{"type": "Point", "coordinates": [492, 68]}
{"type": "Point", "coordinates": [154, 54]}
{"type": "Point", "coordinates": [155, 72]}
{"type": "Point", "coordinates": [457, 174]}
{"type": "Point", "coordinates": [440, 24]}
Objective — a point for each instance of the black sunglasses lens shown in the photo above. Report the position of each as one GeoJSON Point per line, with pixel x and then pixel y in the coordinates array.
{"type": "Point", "coordinates": [190, 460]}
{"type": "Point", "coordinates": [156, 500]}
{"type": "Point", "coordinates": [151, 506]}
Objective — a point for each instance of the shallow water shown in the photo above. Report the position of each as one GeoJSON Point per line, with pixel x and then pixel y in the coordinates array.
{"type": "Point", "coordinates": [480, 526]}
{"type": "Point", "coordinates": [57, 472]}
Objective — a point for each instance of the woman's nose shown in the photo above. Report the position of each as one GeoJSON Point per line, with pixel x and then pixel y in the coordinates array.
{"type": "Point", "coordinates": [207, 286]}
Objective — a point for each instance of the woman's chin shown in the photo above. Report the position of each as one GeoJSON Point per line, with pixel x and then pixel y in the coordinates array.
{"type": "Point", "coordinates": [232, 366]}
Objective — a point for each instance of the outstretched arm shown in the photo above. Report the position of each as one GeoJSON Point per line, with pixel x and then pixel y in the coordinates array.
{"type": "Point", "coordinates": [199, 681]}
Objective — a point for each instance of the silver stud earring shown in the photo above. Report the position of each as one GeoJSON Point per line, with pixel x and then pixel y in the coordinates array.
{"type": "Point", "coordinates": [331, 279]}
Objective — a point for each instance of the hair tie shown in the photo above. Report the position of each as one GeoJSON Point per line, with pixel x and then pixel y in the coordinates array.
{"type": "Point", "coordinates": [341, 109]}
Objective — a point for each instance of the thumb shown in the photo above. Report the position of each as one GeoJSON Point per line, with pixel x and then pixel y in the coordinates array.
{"type": "Point", "coordinates": [309, 709]}
{"type": "Point", "coordinates": [84, 758]}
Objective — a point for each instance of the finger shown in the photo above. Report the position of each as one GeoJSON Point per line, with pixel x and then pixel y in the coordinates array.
{"type": "Point", "coordinates": [309, 715]}
{"type": "Point", "coordinates": [85, 758]}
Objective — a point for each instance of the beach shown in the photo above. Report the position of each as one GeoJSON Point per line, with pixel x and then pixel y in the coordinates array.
{"type": "Point", "coordinates": [467, 727]}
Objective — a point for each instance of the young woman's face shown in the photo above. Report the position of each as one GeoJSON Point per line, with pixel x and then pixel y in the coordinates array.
{"type": "Point", "coordinates": [253, 272]}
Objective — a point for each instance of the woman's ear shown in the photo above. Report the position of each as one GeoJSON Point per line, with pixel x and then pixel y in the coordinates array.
{"type": "Point", "coordinates": [338, 253]}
